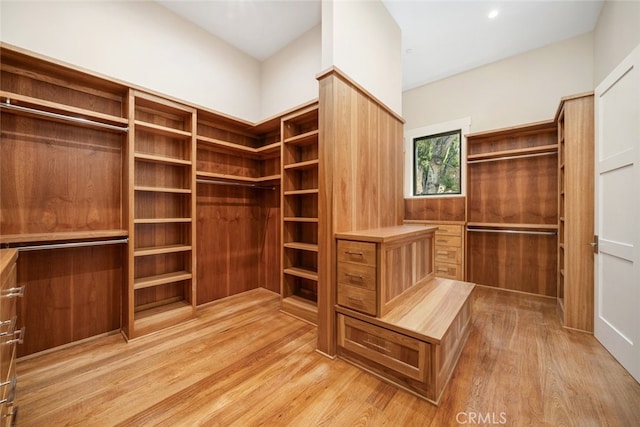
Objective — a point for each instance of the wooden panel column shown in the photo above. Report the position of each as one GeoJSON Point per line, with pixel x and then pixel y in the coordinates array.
{"type": "Point", "coordinates": [360, 179]}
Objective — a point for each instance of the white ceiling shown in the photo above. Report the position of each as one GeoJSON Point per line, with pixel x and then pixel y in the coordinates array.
{"type": "Point", "coordinates": [439, 38]}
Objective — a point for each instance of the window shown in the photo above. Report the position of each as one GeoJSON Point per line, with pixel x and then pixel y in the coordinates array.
{"type": "Point", "coordinates": [435, 159]}
{"type": "Point", "coordinates": [436, 164]}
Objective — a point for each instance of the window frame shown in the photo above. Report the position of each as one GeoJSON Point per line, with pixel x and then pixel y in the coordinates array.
{"type": "Point", "coordinates": [411, 135]}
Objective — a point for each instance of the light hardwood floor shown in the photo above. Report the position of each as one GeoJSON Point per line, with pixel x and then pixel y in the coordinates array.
{"type": "Point", "coordinates": [242, 362]}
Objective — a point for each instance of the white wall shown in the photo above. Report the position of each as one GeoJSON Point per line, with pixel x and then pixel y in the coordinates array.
{"type": "Point", "coordinates": [362, 39]}
{"type": "Point", "coordinates": [288, 78]}
{"type": "Point", "coordinates": [141, 43]}
{"type": "Point", "coordinates": [521, 89]}
{"type": "Point", "coordinates": [617, 33]}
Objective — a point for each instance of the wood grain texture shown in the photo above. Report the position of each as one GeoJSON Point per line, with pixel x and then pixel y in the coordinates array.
{"type": "Point", "coordinates": [518, 360]}
{"type": "Point", "coordinates": [578, 212]}
{"type": "Point", "coordinates": [360, 179]}
{"type": "Point", "coordinates": [514, 191]}
{"type": "Point", "coordinates": [435, 209]}
{"type": "Point", "coordinates": [519, 262]}
{"type": "Point", "coordinates": [58, 178]}
{"type": "Point", "coordinates": [70, 294]}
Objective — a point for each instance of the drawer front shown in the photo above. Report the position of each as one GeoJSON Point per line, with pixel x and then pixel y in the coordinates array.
{"type": "Point", "coordinates": [448, 271]}
{"type": "Point", "coordinates": [448, 241]}
{"type": "Point", "coordinates": [362, 276]}
{"type": "Point", "coordinates": [448, 254]}
{"type": "Point", "coordinates": [357, 298]}
{"type": "Point", "coordinates": [357, 252]}
{"type": "Point", "coordinates": [450, 229]}
{"type": "Point", "coordinates": [406, 356]}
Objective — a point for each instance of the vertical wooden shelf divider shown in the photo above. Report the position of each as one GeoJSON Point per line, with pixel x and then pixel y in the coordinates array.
{"type": "Point", "coordinates": [161, 206]}
{"type": "Point", "coordinates": [299, 201]}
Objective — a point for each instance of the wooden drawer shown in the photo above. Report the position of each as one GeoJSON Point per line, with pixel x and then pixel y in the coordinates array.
{"type": "Point", "coordinates": [444, 240]}
{"type": "Point", "coordinates": [449, 229]}
{"type": "Point", "coordinates": [448, 254]}
{"type": "Point", "coordinates": [357, 298]}
{"type": "Point", "coordinates": [404, 355]}
{"type": "Point", "coordinates": [357, 252]}
{"type": "Point", "coordinates": [448, 271]}
{"type": "Point", "coordinates": [362, 276]}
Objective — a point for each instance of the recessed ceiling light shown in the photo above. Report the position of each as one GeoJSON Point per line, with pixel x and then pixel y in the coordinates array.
{"type": "Point", "coordinates": [493, 13]}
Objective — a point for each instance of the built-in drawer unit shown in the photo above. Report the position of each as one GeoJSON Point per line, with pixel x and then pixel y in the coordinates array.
{"type": "Point", "coordinates": [449, 251]}
{"type": "Point", "coordinates": [406, 356]}
{"type": "Point", "coordinates": [375, 267]}
{"type": "Point", "coordinates": [10, 335]}
{"type": "Point", "coordinates": [417, 343]}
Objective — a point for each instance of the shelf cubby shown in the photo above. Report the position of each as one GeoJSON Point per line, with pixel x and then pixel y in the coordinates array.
{"type": "Point", "coordinates": [300, 220]}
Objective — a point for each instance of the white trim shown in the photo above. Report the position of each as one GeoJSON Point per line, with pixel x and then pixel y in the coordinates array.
{"type": "Point", "coordinates": [463, 124]}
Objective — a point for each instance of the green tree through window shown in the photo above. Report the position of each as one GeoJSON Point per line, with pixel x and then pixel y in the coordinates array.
{"type": "Point", "coordinates": [437, 164]}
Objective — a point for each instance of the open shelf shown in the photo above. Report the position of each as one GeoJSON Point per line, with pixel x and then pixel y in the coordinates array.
{"type": "Point", "coordinates": [237, 178]}
{"type": "Point", "coordinates": [301, 192]}
{"type": "Point", "coordinates": [503, 225]}
{"type": "Point", "coordinates": [310, 247]}
{"type": "Point", "coordinates": [302, 272]}
{"type": "Point", "coordinates": [160, 220]}
{"type": "Point", "coordinates": [162, 189]}
{"type": "Point", "coordinates": [308, 164]}
{"type": "Point", "coordinates": [161, 159]}
{"type": "Point", "coordinates": [507, 154]}
{"type": "Point", "coordinates": [303, 139]}
{"type": "Point", "coordinates": [161, 130]}
{"type": "Point", "coordinates": [80, 116]}
{"type": "Point", "coordinates": [301, 308]}
{"type": "Point", "coordinates": [62, 236]}
{"type": "Point", "coordinates": [161, 279]}
{"type": "Point", "coordinates": [299, 219]}
{"type": "Point", "coordinates": [155, 250]}
{"type": "Point", "coordinates": [162, 315]}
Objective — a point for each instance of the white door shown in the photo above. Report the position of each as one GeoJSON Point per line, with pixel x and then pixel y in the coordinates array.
{"type": "Point", "coordinates": [617, 213]}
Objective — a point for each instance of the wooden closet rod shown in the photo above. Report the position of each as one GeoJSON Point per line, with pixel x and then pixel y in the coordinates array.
{"type": "Point", "coordinates": [237, 184]}
{"type": "Point", "coordinates": [57, 116]}
{"type": "Point", "coordinates": [70, 245]}
{"type": "Point", "coordinates": [492, 230]}
{"type": "Point", "coordinates": [524, 156]}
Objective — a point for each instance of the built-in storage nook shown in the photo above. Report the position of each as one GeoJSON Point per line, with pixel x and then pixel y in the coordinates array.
{"type": "Point", "coordinates": [512, 208]}
{"type": "Point", "coordinates": [162, 186]}
{"type": "Point", "coordinates": [300, 214]}
{"type": "Point", "coordinates": [394, 318]}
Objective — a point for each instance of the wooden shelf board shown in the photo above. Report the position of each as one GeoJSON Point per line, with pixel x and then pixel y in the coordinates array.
{"type": "Point", "coordinates": [301, 192]}
{"type": "Point", "coordinates": [514, 153]}
{"type": "Point", "coordinates": [161, 316]}
{"type": "Point", "coordinates": [237, 178]}
{"type": "Point", "coordinates": [269, 149]}
{"type": "Point", "coordinates": [230, 146]}
{"type": "Point", "coordinates": [161, 159]}
{"type": "Point", "coordinates": [301, 308]}
{"type": "Point", "coordinates": [299, 219]}
{"type": "Point", "coordinates": [161, 279]}
{"type": "Point", "coordinates": [55, 107]}
{"type": "Point", "coordinates": [160, 220]}
{"type": "Point", "coordinates": [301, 272]}
{"type": "Point", "coordinates": [303, 139]}
{"type": "Point", "coordinates": [161, 130]}
{"type": "Point", "coordinates": [302, 246]}
{"type": "Point", "coordinates": [62, 236]}
{"type": "Point", "coordinates": [302, 165]}
{"type": "Point", "coordinates": [156, 250]}
{"type": "Point", "coordinates": [503, 225]}
{"type": "Point", "coordinates": [162, 189]}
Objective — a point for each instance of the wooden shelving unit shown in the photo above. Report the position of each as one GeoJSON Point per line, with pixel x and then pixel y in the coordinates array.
{"type": "Point", "coordinates": [62, 161]}
{"type": "Point", "coordinates": [162, 287]}
{"type": "Point", "coordinates": [575, 291]}
{"type": "Point", "coordinates": [299, 283]}
{"type": "Point", "coordinates": [512, 210]}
